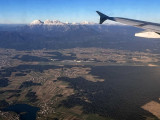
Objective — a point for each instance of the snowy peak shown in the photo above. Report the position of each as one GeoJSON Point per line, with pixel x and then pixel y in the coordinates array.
{"type": "Point", "coordinates": [36, 22]}
{"type": "Point", "coordinates": [48, 22]}
{"type": "Point", "coordinates": [57, 22]}
{"type": "Point", "coordinates": [74, 23]}
{"type": "Point", "coordinates": [86, 23]}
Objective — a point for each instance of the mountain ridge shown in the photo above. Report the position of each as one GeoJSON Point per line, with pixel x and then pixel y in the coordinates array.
{"type": "Point", "coordinates": [57, 22]}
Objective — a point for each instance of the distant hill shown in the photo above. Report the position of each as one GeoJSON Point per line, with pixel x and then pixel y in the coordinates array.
{"type": "Point", "coordinates": [59, 35]}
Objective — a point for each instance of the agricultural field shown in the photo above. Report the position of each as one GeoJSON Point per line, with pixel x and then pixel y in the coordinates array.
{"type": "Point", "coordinates": [67, 84]}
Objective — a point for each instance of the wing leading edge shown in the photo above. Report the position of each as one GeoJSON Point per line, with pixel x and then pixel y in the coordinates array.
{"type": "Point", "coordinates": [153, 29]}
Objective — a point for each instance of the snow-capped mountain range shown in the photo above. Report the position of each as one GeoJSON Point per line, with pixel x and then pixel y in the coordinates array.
{"type": "Point", "coordinates": [60, 35]}
{"type": "Point", "coordinates": [57, 22]}
{"type": "Point", "coordinates": [56, 27]}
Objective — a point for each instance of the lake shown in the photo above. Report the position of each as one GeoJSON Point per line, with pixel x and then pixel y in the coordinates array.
{"type": "Point", "coordinates": [122, 94]}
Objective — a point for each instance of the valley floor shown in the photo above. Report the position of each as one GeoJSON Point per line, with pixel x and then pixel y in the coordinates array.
{"type": "Point", "coordinates": [79, 83]}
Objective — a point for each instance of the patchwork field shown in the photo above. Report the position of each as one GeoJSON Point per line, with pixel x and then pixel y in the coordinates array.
{"type": "Point", "coordinates": [77, 84]}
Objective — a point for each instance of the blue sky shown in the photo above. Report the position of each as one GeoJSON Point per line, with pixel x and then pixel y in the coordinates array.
{"type": "Point", "coordinates": [25, 11]}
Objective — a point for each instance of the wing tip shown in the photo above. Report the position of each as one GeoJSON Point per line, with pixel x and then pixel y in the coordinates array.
{"type": "Point", "coordinates": [103, 17]}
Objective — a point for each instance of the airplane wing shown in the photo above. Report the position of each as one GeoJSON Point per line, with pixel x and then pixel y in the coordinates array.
{"type": "Point", "coordinates": [153, 29]}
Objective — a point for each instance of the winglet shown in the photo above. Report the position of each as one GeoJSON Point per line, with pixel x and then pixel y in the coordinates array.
{"type": "Point", "coordinates": [103, 17]}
